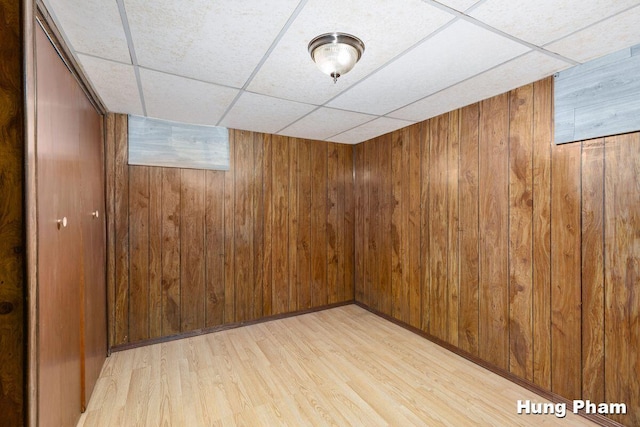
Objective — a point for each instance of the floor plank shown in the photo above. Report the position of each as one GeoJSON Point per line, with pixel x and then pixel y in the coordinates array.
{"type": "Point", "coordinates": [343, 366]}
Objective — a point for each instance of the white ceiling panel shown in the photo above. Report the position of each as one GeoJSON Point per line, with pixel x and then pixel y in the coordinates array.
{"type": "Point", "coordinates": [386, 28]}
{"type": "Point", "coordinates": [459, 5]}
{"type": "Point", "coordinates": [262, 113]}
{"type": "Point", "coordinates": [244, 64]}
{"type": "Point", "coordinates": [106, 75]}
{"type": "Point", "coordinates": [520, 71]}
{"type": "Point", "coordinates": [215, 41]}
{"type": "Point", "coordinates": [454, 54]}
{"type": "Point", "coordinates": [543, 21]}
{"type": "Point", "coordinates": [185, 100]}
{"type": "Point", "coordinates": [369, 130]}
{"type": "Point", "coordinates": [92, 26]}
{"type": "Point", "coordinates": [324, 123]}
{"type": "Point", "coordinates": [613, 34]}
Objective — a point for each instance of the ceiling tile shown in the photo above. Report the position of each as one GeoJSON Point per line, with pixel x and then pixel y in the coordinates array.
{"type": "Point", "coordinates": [456, 53]}
{"type": "Point", "coordinates": [520, 71]}
{"type": "Point", "coordinates": [370, 130]}
{"type": "Point", "coordinates": [324, 123]}
{"type": "Point", "coordinates": [92, 26]}
{"type": "Point", "coordinates": [180, 99]}
{"type": "Point", "coordinates": [543, 21]}
{"type": "Point", "coordinates": [106, 75]}
{"type": "Point", "coordinates": [618, 32]}
{"type": "Point", "coordinates": [261, 113]}
{"type": "Point", "coordinates": [459, 5]}
{"type": "Point", "coordinates": [528, 68]}
{"type": "Point", "coordinates": [216, 41]}
{"type": "Point", "coordinates": [387, 28]}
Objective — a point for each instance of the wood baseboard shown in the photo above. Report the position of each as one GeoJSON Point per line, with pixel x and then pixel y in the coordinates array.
{"type": "Point", "coordinates": [223, 327]}
{"type": "Point", "coordinates": [546, 394]}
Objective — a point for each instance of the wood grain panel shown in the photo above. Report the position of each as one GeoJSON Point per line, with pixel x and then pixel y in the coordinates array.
{"type": "Point", "coordinates": [348, 238]}
{"type": "Point", "coordinates": [425, 274]}
{"type": "Point", "coordinates": [438, 226]}
{"type": "Point", "coordinates": [593, 321]}
{"type": "Point", "coordinates": [372, 194]}
{"type": "Point", "coordinates": [542, 134]}
{"type": "Point", "coordinates": [121, 218]}
{"type": "Point", "coordinates": [413, 229]}
{"type": "Point", "coordinates": [171, 219]}
{"type": "Point", "coordinates": [493, 338]}
{"type": "Point", "coordinates": [280, 231]}
{"type": "Point", "coordinates": [243, 227]}
{"type": "Point", "coordinates": [384, 230]}
{"type": "Point", "coordinates": [468, 194]}
{"type": "Point", "coordinates": [360, 194]}
{"type": "Point", "coordinates": [622, 273]}
{"type": "Point", "coordinates": [453, 226]}
{"type": "Point", "coordinates": [319, 224]}
{"type": "Point", "coordinates": [192, 257]}
{"type": "Point", "coordinates": [303, 250]}
{"type": "Point", "coordinates": [397, 226]}
{"type": "Point", "coordinates": [139, 251]}
{"type": "Point", "coordinates": [521, 231]}
{"type": "Point", "coordinates": [12, 216]}
{"type": "Point", "coordinates": [333, 229]}
{"type": "Point", "coordinates": [565, 271]}
{"type": "Point", "coordinates": [258, 224]}
{"type": "Point", "coordinates": [110, 146]}
{"type": "Point", "coordinates": [229, 236]}
{"type": "Point", "coordinates": [292, 208]}
{"type": "Point", "coordinates": [214, 248]}
{"type": "Point", "coordinates": [155, 252]}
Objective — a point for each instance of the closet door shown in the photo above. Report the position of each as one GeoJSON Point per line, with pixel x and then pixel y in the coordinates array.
{"type": "Point", "coordinates": [58, 240]}
{"type": "Point", "coordinates": [92, 219]}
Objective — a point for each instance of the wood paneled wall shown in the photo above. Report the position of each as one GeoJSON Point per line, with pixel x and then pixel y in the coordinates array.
{"type": "Point", "coordinates": [12, 214]}
{"type": "Point", "coordinates": [475, 228]}
{"type": "Point", "coordinates": [192, 249]}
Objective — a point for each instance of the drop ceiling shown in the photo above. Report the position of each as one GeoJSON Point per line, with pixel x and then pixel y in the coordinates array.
{"type": "Point", "coordinates": [244, 64]}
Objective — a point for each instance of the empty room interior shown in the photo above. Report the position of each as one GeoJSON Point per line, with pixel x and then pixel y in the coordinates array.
{"type": "Point", "coordinates": [319, 212]}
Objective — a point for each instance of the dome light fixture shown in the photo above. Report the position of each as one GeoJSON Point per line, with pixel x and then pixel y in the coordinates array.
{"type": "Point", "coordinates": [335, 54]}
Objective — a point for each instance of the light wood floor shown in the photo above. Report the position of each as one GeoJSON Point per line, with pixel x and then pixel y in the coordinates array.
{"type": "Point", "coordinates": [343, 366]}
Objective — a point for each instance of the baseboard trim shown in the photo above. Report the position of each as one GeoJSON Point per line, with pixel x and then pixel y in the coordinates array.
{"type": "Point", "coordinates": [546, 394]}
{"type": "Point", "coordinates": [223, 327]}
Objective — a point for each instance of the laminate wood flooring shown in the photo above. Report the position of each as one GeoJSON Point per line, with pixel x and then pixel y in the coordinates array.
{"type": "Point", "coordinates": [342, 366]}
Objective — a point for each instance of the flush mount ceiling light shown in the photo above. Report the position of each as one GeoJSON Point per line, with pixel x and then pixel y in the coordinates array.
{"type": "Point", "coordinates": [336, 53]}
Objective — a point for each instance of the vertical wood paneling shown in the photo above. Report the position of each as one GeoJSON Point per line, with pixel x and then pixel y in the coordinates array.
{"type": "Point", "coordinates": [139, 251]}
{"type": "Point", "coordinates": [319, 224]}
{"type": "Point", "coordinates": [268, 226]}
{"type": "Point", "coordinates": [121, 208]}
{"type": "Point", "coordinates": [294, 173]}
{"type": "Point", "coordinates": [384, 157]}
{"type": "Point", "coordinates": [622, 277]}
{"type": "Point", "coordinates": [171, 202]}
{"type": "Point", "coordinates": [438, 226]}
{"type": "Point", "coordinates": [214, 247]}
{"type": "Point", "coordinates": [493, 217]}
{"type": "Point", "coordinates": [537, 237]}
{"type": "Point", "coordinates": [332, 223]}
{"type": "Point", "coordinates": [243, 225]}
{"type": "Point", "coordinates": [453, 225]}
{"type": "Point", "coordinates": [468, 194]}
{"type": "Point", "coordinates": [280, 231]}
{"type": "Point", "coordinates": [425, 274]}
{"type": "Point", "coordinates": [110, 177]}
{"type": "Point", "coordinates": [360, 232]}
{"type": "Point", "coordinates": [413, 230]}
{"type": "Point", "coordinates": [229, 235]}
{"type": "Point", "coordinates": [192, 258]}
{"type": "Point", "coordinates": [155, 252]}
{"type": "Point", "coordinates": [348, 216]}
{"type": "Point", "coordinates": [542, 134]}
{"type": "Point", "coordinates": [397, 223]}
{"type": "Point", "coordinates": [258, 224]}
{"type": "Point", "coordinates": [13, 218]}
{"type": "Point", "coordinates": [593, 270]}
{"type": "Point", "coordinates": [303, 251]}
{"type": "Point", "coordinates": [565, 271]}
{"type": "Point", "coordinates": [520, 231]}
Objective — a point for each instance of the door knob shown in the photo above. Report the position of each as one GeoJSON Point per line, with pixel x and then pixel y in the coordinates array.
{"type": "Point", "coordinates": [95, 214]}
{"type": "Point", "coordinates": [62, 222]}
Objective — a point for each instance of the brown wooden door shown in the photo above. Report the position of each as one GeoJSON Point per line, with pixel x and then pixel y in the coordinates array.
{"type": "Point", "coordinates": [58, 249]}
